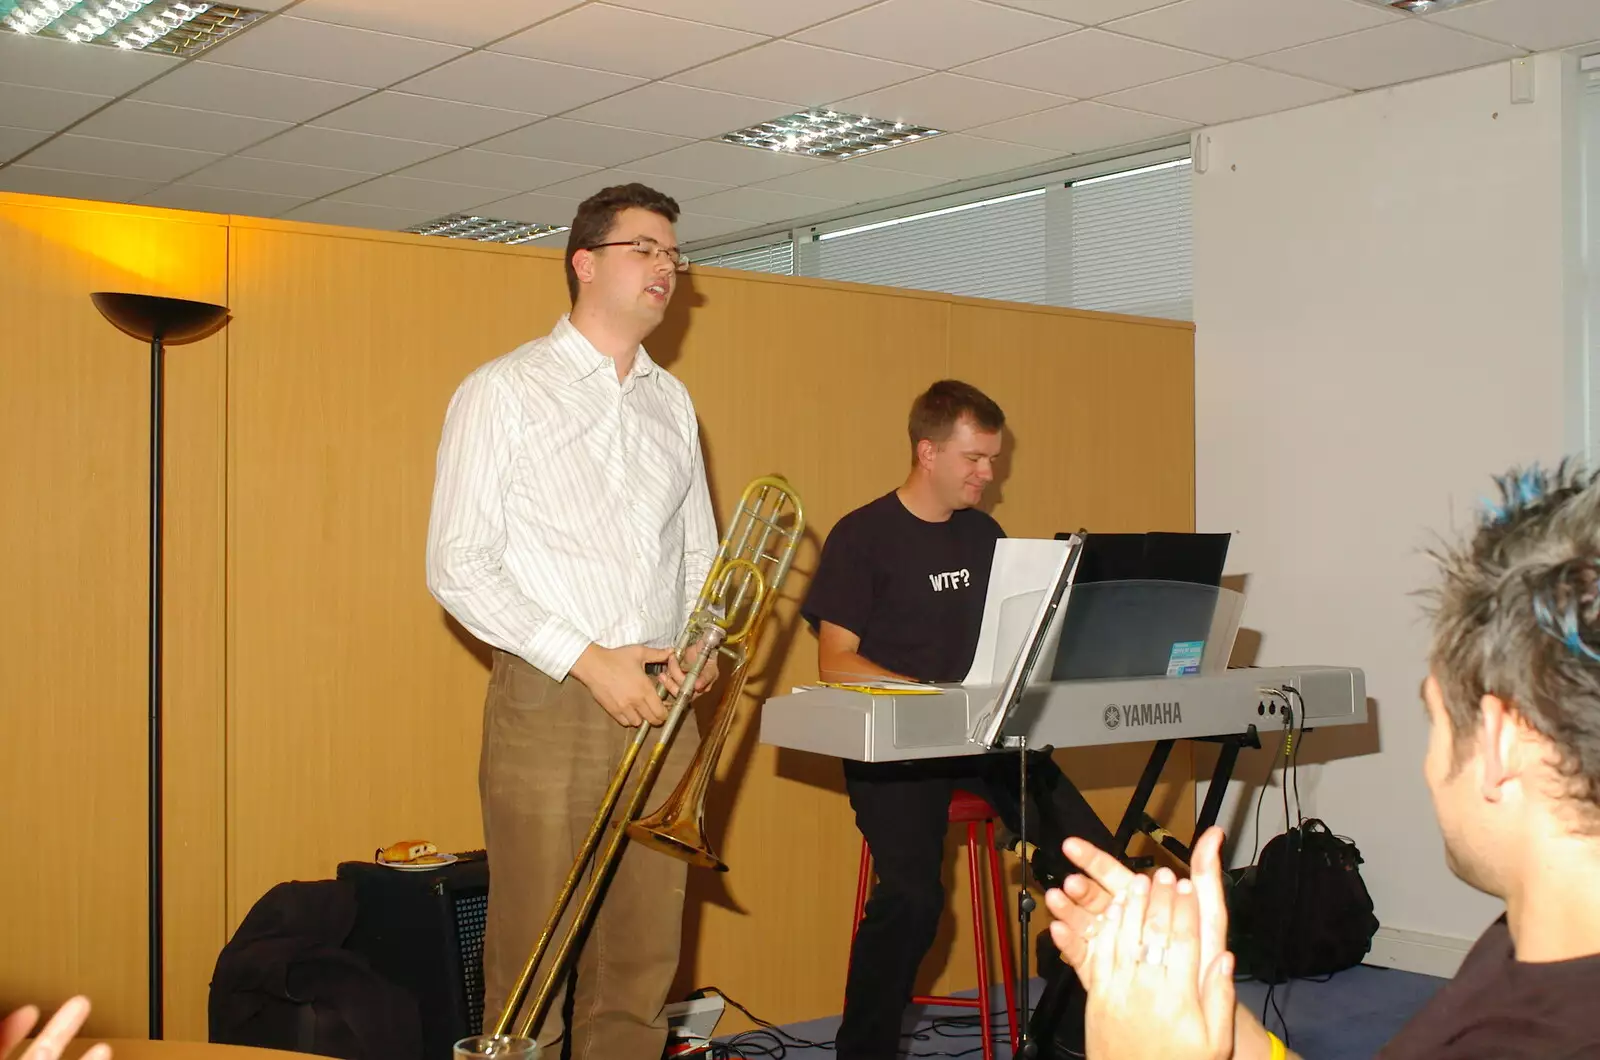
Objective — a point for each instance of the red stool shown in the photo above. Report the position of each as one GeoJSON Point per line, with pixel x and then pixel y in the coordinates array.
{"type": "Point", "coordinates": [970, 810]}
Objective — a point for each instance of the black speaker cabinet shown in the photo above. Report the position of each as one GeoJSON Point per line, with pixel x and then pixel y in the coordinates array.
{"type": "Point", "coordinates": [423, 930]}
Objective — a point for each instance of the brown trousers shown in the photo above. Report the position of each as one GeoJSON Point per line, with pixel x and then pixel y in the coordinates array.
{"type": "Point", "coordinates": [549, 751]}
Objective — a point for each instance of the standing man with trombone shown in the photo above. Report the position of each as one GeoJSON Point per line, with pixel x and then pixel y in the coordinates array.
{"type": "Point", "coordinates": [571, 531]}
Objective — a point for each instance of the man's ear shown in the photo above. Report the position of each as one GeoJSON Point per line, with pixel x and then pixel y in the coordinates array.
{"type": "Point", "coordinates": [583, 265]}
{"type": "Point", "coordinates": [927, 449]}
{"type": "Point", "coordinates": [1501, 745]}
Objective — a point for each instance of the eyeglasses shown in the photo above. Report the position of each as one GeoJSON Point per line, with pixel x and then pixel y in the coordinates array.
{"type": "Point", "coordinates": [651, 248]}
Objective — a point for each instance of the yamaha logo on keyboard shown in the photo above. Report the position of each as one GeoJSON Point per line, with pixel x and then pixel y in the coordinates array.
{"type": "Point", "coordinates": [1143, 714]}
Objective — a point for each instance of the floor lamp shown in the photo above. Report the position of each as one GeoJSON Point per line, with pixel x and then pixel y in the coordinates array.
{"type": "Point", "coordinates": [158, 321]}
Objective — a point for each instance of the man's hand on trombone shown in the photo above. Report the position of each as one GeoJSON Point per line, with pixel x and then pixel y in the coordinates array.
{"type": "Point", "coordinates": [617, 679]}
{"type": "Point", "coordinates": [674, 676]}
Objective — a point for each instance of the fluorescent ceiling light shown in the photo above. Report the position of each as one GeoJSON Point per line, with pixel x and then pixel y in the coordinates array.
{"type": "Point", "coordinates": [485, 229]}
{"type": "Point", "coordinates": [1174, 164]}
{"type": "Point", "coordinates": [827, 134]}
{"type": "Point", "coordinates": [1418, 7]}
{"type": "Point", "coordinates": [173, 28]}
{"type": "Point", "coordinates": [924, 216]}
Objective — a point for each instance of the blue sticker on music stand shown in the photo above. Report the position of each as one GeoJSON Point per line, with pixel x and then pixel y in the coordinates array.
{"type": "Point", "coordinates": [1185, 658]}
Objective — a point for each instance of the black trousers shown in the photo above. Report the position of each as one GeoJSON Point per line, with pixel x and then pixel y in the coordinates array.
{"type": "Point", "coordinates": [902, 809]}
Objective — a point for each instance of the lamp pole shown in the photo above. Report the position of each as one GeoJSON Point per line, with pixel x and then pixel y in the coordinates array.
{"type": "Point", "coordinates": [157, 321]}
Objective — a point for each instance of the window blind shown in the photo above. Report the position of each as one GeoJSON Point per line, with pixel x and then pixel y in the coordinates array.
{"type": "Point", "coordinates": [988, 250]}
{"type": "Point", "coordinates": [1119, 244]}
{"type": "Point", "coordinates": [1130, 245]}
{"type": "Point", "coordinates": [774, 257]}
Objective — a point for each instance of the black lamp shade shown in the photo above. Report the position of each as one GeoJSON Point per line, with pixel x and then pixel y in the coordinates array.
{"type": "Point", "coordinates": [150, 317]}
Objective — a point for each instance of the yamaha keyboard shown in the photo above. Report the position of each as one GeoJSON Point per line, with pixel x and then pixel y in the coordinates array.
{"type": "Point", "coordinates": [1230, 709]}
{"type": "Point", "coordinates": [886, 726]}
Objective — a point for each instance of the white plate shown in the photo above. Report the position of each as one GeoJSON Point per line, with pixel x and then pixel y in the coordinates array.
{"type": "Point", "coordinates": [407, 866]}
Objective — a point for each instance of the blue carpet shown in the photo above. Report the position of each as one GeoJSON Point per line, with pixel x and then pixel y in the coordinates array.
{"type": "Point", "coordinates": [1346, 1018]}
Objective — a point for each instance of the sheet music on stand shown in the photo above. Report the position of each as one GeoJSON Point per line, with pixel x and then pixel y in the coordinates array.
{"type": "Point", "coordinates": [1028, 584]}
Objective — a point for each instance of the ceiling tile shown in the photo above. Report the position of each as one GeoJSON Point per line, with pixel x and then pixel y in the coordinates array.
{"type": "Point", "coordinates": [1224, 93]}
{"type": "Point", "coordinates": [1085, 12]}
{"type": "Point", "coordinates": [534, 207]}
{"type": "Point", "coordinates": [679, 188]}
{"type": "Point", "coordinates": [286, 45]}
{"type": "Point", "coordinates": [953, 31]}
{"type": "Point", "coordinates": [221, 200]}
{"type": "Point", "coordinates": [955, 156]}
{"type": "Point", "coordinates": [269, 175]}
{"type": "Point", "coordinates": [407, 193]}
{"type": "Point", "coordinates": [724, 163]}
{"type": "Point", "coordinates": [848, 182]}
{"type": "Point", "coordinates": [680, 110]}
{"type": "Point", "coordinates": [641, 43]}
{"type": "Point", "coordinates": [583, 142]}
{"type": "Point", "coordinates": [116, 158]}
{"type": "Point", "coordinates": [156, 123]}
{"type": "Point", "coordinates": [31, 180]}
{"type": "Point", "coordinates": [473, 24]}
{"type": "Point", "coordinates": [338, 149]}
{"type": "Point", "coordinates": [439, 121]}
{"type": "Point", "coordinates": [1080, 127]}
{"type": "Point", "coordinates": [47, 63]}
{"type": "Point", "coordinates": [515, 83]}
{"type": "Point", "coordinates": [1238, 29]}
{"type": "Point", "coordinates": [773, 19]}
{"type": "Point", "coordinates": [46, 109]}
{"type": "Point", "coordinates": [755, 204]}
{"type": "Point", "coordinates": [358, 215]}
{"type": "Point", "coordinates": [1088, 63]}
{"type": "Point", "coordinates": [1404, 51]}
{"type": "Point", "coordinates": [252, 93]}
{"type": "Point", "coordinates": [15, 141]}
{"type": "Point", "coordinates": [697, 226]}
{"type": "Point", "coordinates": [950, 102]}
{"type": "Point", "coordinates": [486, 169]}
{"type": "Point", "coordinates": [1537, 25]}
{"type": "Point", "coordinates": [800, 73]}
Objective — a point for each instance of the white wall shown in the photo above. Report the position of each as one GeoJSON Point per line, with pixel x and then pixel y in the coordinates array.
{"type": "Point", "coordinates": [1588, 393]}
{"type": "Point", "coordinates": [1379, 297]}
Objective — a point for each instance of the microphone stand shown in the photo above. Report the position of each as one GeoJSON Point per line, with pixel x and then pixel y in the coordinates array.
{"type": "Point", "coordinates": [1026, 1049]}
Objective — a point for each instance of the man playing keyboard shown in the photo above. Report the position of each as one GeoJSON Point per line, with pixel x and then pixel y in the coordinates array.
{"type": "Point", "coordinates": [899, 593]}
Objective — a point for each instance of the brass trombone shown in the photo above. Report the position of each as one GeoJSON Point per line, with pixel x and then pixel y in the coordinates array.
{"type": "Point", "coordinates": [738, 595]}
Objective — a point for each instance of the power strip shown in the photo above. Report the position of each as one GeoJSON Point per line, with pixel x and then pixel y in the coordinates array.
{"type": "Point", "coordinates": [694, 1021]}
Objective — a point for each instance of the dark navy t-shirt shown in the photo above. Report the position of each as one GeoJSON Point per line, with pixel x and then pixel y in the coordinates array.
{"type": "Point", "coordinates": [912, 590]}
{"type": "Point", "coordinates": [1500, 1008]}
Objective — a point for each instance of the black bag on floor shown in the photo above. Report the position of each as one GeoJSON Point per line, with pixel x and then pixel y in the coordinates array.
{"type": "Point", "coordinates": [285, 981]}
{"type": "Point", "coordinates": [1302, 910]}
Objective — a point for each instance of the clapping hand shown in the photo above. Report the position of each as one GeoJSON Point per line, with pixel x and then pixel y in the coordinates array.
{"type": "Point", "coordinates": [1153, 998]}
{"type": "Point", "coordinates": [56, 1036]}
{"type": "Point", "coordinates": [1080, 904]}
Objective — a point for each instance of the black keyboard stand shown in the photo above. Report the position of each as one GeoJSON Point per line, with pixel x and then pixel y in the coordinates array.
{"type": "Point", "coordinates": [1136, 819]}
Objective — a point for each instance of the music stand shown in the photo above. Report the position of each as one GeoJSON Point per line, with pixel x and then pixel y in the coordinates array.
{"type": "Point", "coordinates": [987, 732]}
{"type": "Point", "coordinates": [158, 321]}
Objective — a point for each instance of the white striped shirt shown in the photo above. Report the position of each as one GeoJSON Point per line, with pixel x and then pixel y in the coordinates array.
{"type": "Point", "coordinates": [569, 508]}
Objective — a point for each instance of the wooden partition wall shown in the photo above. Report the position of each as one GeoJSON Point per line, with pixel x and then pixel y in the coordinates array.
{"type": "Point", "coordinates": [319, 702]}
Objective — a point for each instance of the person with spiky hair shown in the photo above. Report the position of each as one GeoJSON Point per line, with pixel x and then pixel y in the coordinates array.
{"type": "Point", "coordinates": [1513, 766]}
